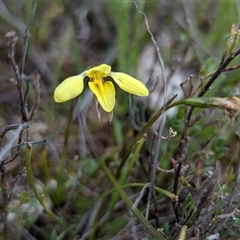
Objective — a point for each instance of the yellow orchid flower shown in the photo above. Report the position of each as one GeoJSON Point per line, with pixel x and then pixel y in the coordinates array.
{"type": "Point", "coordinates": [103, 90]}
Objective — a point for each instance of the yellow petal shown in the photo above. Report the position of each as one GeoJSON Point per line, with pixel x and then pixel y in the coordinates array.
{"type": "Point", "coordinates": [69, 88]}
{"type": "Point", "coordinates": [105, 96]}
{"type": "Point", "coordinates": [129, 84]}
{"type": "Point", "coordinates": [101, 71]}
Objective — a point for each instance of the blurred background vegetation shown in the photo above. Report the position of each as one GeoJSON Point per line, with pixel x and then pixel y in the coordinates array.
{"type": "Point", "coordinates": [73, 169]}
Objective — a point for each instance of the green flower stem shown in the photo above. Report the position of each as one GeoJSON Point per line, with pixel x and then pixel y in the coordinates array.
{"type": "Point", "coordinates": [136, 212]}
{"type": "Point", "coordinates": [34, 188]}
